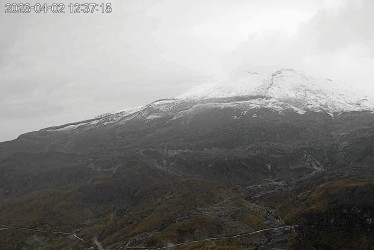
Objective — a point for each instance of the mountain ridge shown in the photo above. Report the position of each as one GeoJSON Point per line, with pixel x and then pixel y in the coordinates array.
{"type": "Point", "coordinates": [283, 90]}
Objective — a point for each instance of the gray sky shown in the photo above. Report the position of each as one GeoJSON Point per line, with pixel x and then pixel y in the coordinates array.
{"type": "Point", "coordinates": [59, 68]}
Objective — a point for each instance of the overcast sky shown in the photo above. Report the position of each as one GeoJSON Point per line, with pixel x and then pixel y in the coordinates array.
{"type": "Point", "coordinates": [59, 68]}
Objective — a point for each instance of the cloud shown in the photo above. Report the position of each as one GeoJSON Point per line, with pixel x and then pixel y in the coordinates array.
{"type": "Point", "coordinates": [333, 29]}
{"type": "Point", "coordinates": [337, 42]}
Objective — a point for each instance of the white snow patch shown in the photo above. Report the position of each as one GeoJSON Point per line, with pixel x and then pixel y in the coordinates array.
{"type": "Point", "coordinates": [289, 88]}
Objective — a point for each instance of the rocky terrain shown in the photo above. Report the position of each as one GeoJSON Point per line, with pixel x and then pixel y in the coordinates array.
{"type": "Point", "coordinates": [277, 161]}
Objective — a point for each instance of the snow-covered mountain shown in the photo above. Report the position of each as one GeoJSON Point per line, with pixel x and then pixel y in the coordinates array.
{"type": "Point", "coordinates": [288, 89]}
{"type": "Point", "coordinates": [239, 147]}
{"type": "Point", "coordinates": [283, 90]}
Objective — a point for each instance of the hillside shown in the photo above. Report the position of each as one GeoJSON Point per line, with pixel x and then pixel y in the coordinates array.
{"type": "Point", "coordinates": [286, 152]}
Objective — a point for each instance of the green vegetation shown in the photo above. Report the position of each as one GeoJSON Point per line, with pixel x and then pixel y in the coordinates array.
{"type": "Point", "coordinates": [254, 219]}
{"type": "Point", "coordinates": [336, 215]}
{"type": "Point", "coordinates": [34, 243]}
{"type": "Point", "coordinates": [181, 211]}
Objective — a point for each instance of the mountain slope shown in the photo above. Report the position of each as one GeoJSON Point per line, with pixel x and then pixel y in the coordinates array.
{"type": "Point", "coordinates": [221, 161]}
{"type": "Point", "coordinates": [289, 87]}
{"type": "Point", "coordinates": [248, 102]}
